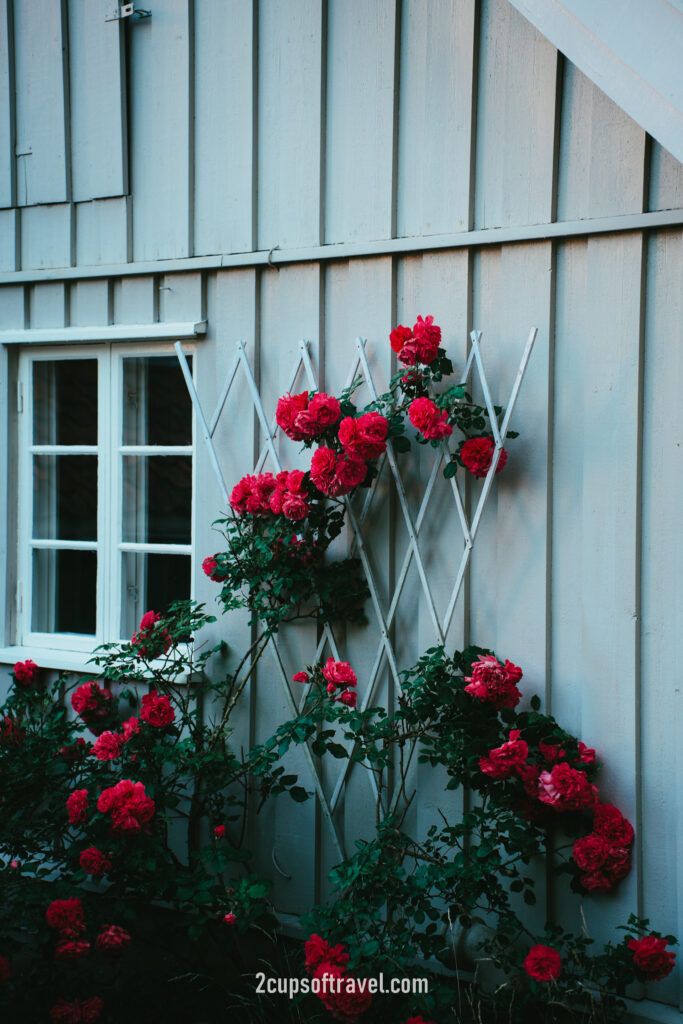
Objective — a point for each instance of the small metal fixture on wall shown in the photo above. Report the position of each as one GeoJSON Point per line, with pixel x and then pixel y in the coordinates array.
{"type": "Point", "coordinates": [116, 11]}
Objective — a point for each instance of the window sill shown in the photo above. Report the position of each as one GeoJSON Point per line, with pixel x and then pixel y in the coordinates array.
{"type": "Point", "coordinates": [65, 661]}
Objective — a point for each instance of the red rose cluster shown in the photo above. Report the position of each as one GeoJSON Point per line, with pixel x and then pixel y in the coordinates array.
{"type": "Point", "coordinates": [130, 807]}
{"type": "Point", "coordinates": [156, 711]}
{"type": "Point", "coordinates": [26, 673]}
{"type": "Point", "coordinates": [149, 641]}
{"type": "Point", "coordinates": [338, 989]}
{"type": "Point", "coordinates": [476, 454]}
{"type": "Point", "coordinates": [421, 345]}
{"type": "Point", "coordinates": [77, 806]}
{"type": "Point", "coordinates": [652, 958]}
{"type": "Point", "coordinates": [265, 494]}
{"type": "Point", "coordinates": [340, 676]}
{"type": "Point", "coordinates": [494, 683]}
{"type": "Point", "coordinates": [336, 474]}
{"type": "Point", "coordinates": [11, 735]}
{"type": "Point", "coordinates": [94, 705]}
{"type": "Point", "coordinates": [94, 862]}
{"type": "Point", "coordinates": [303, 419]}
{"type": "Point", "coordinates": [604, 856]}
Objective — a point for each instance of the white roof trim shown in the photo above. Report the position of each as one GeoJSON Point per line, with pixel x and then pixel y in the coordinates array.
{"type": "Point", "coordinates": [109, 332]}
{"type": "Point", "coordinates": [630, 49]}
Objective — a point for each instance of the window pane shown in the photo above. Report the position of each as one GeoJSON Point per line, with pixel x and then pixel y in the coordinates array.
{"type": "Point", "coordinates": [64, 591]}
{"type": "Point", "coordinates": [156, 403]}
{"type": "Point", "coordinates": [149, 583]}
{"type": "Point", "coordinates": [65, 497]}
{"type": "Point", "coordinates": [157, 499]}
{"type": "Point", "coordinates": [65, 401]}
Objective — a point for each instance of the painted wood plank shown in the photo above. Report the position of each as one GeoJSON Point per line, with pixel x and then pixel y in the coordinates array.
{"type": "Point", "coordinates": [661, 839]}
{"type": "Point", "coordinates": [46, 236]}
{"type": "Point", "coordinates": [10, 240]}
{"type": "Point", "coordinates": [97, 81]}
{"type": "Point", "coordinates": [89, 303]}
{"type": "Point", "coordinates": [515, 120]}
{"type": "Point", "coordinates": [136, 300]}
{"type": "Point", "coordinates": [41, 84]}
{"type": "Point", "coordinates": [12, 306]}
{"type": "Point", "coordinates": [290, 54]}
{"type": "Point", "coordinates": [289, 311]}
{"type": "Point", "coordinates": [435, 116]}
{"type": "Point", "coordinates": [666, 180]}
{"type": "Point", "coordinates": [161, 114]}
{"type": "Point", "coordinates": [181, 297]}
{"type": "Point", "coordinates": [594, 583]}
{"type": "Point", "coordinates": [48, 305]}
{"type": "Point", "coordinates": [602, 153]}
{"type": "Point", "coordinates": [360, 120]}
{"type": "Point", "coordinates": [102, 231]}
{"type": "Point", "coordinates": [224, 126]}
{"type": "Point", "coordinates": [7, 126]}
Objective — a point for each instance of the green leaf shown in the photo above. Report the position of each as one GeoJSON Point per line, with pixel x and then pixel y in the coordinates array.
{"type": "Point", "coordinates": [298, 793]}
{"type": "Point", "coordinates": [450, 469]}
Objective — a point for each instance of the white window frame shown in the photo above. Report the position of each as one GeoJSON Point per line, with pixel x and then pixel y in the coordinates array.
{"type": "Point", "coordinates": [110, 451]}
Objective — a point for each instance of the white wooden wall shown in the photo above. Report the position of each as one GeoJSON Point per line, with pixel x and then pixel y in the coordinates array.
{"type": "Point", "coordinates": [395, 158]}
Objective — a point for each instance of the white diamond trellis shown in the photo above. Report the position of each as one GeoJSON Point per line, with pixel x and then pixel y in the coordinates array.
{"type": "Point", "coordinates": [385, 653]}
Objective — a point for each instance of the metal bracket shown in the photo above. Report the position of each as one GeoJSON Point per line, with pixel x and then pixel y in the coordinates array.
{"type": "Point", "coordinates": [116, 11]}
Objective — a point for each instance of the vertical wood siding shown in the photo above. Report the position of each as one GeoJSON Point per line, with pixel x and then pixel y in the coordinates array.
{"type": "Point", "coordinates": [261, 124]}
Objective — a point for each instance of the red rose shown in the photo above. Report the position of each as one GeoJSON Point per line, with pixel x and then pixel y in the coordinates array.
{"type": "Point", "coordinates": [431, 421]}
{"type": "Point", "coordinates": [590, 852]}
{"type": "Point", "coordinates": [427, 339]}
{"type": "Point", "coordinates": [323, 468]}
{"type": "Point", "coordinates": [156, 711]}
{"type": "Point", "coordinates": [66, 917]}
{"type": "Point", "coordinates": [151, 642]}
{"type": "Point", "coordinates": [340, 673]}
{"type": "Point", "coordinates": [494, 683]}
{"type": "Point", "coordinates": [294, 507]}
{"type": "Point", "coordinates": [10, 733]}
{"type": "Point", "coordinates": [349, 698]}
{"type": "Point", "coordinates": [317, 951]}
{"type": "Point", "coordinates": [112, 939]}
{"type": "Point", "coordinates": [81, 1011]}
{"type": "Point", "coordinates": [219, 831]}
{"type": "Point", "coordinates": [5, 969]}
{"type": "Point", "coordinates": [26, 672]}
{"type": "Point", "coordinates": [586, 754]}
{"type": "Point", "coordinates": [365, 437]}
{"type": "Point", "coordinates": [107, 746]}
{"type": "Point", "coordinates": [352, 999]}
{"type": "Point", "coordinates": [349, 473]}
{"type": "Point", "coordinates": [543, 963]}
{"type": "Point", "coordinates": [652, 958]}
{"type": "Point", "coordinates": [210, 568]}
{"type": "Point", "coordinates": [323, 412]}
{"type": "Point", "coordinates": [399, 336]}
{"type": "Point", "coordinates": [528, 773]}
{"type": "Point", "coordinates": [566, 789]}
{"type": "Point", "coordinates": [94, 862]}
{"type": "Point", "coordinates": [419, 1020]}
{"type": "Point", "coordinates": [551, 751]}
{"type": "Point", "coordinates": [93, 703]}
{"type": "Point", "coordinates": [71, 950]}
{"type": "Point", "coordinates": [610, 823]}
{"type": "Point", "coordinates": [503, 761]}
{"type": "Point", "coordinates": [130, 807]}
{"type": "Point", "coordinates": [130, 727]}
{"type": "Point", "coordinates": [77, 806]}
{"type": "Point", "coordinates": [300, 677]}
{"type": "Point", "coordinates": [595, 881]}
{"type": "Point", "coordinates": [288, 408]}
{"type": "Point", "coordinates": [476, 455]}
{"type": "Point", "coordinates": [229, 919]}
{"type": "Point", "coordinates": [618, 863]}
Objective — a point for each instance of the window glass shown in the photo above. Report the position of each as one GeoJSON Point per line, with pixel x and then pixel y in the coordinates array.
{"type": "Point", "coordinates": [156, 405]}
{"type": "Point", "coordinates": [65, 401]}
{"type": "Point", "coordinates": [65, 497]}
{"type": "Point", "coordinates": [151, 581]}
{"type": "Point", "coordinates": [157, 499]}
{"type": "Point", "coordinates": [64, 591]}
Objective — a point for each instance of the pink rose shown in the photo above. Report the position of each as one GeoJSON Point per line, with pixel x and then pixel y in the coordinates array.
{"type": "Point", "coordinates": [340, 673]}
{"type": "Point", "coordinates": [431, 422]}
{"type": "Point", "coordinates": [494, 683]}
{"type": "Point", "coordinates": [566, 789]}
{"type": "Point", "coordinates": [229, 919]}
{"type": "Point", "coordinates": [130, 727]}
